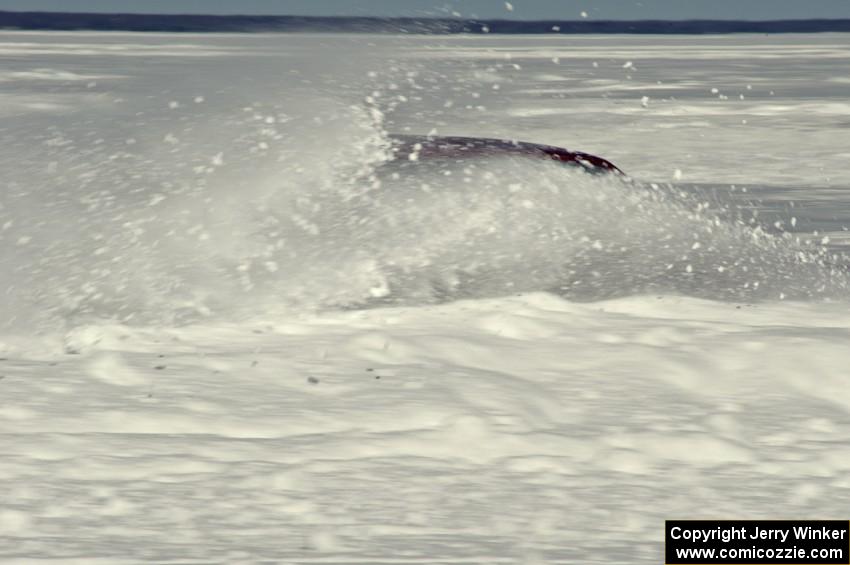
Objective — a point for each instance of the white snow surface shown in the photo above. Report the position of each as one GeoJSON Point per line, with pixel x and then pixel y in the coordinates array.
{"type": "Point", "coordinates": [231, 332]}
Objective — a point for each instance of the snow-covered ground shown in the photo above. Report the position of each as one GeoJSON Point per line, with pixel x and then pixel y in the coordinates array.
{"type": "Point", "coordinates": [231, 333]}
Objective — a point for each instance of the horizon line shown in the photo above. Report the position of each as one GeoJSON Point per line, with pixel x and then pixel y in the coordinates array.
{"type": "Point", "coordinates": [417, 18]}
{"type": "Point", "coordinates": [245, 23]}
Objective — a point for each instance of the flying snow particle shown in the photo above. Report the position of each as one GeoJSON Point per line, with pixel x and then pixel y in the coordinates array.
{"type": "Point", "coordinates": [644, 101]}
{"type": "Point", "coordinates": [199, 99]}
{"type": "Point", "coordinates": [677, 174]}
{"type": "Point", "coordinates": [414, 156]}
{"type": "Point", "coordinates": [628, 65]}
{"type": "Point", "coordinates": [509, 7]}
{"type": "Point", "coordinates": [174, 104]}
{"type": "Point", "coordinates": [380, 290]}
{"type": "Point", "coordinates": [583, 14]}
{"type": "Point", "coordinates": [556, 28]}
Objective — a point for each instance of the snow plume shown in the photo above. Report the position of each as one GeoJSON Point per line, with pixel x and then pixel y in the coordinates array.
{"type": "Point", "coordinates": [180, 220]}
{"type": "Point", "coordinates": [302, 208]}
{"type": "Point", "coordinates": [296, 204]}
{"type": "Point", "coordinates": [476, 228]}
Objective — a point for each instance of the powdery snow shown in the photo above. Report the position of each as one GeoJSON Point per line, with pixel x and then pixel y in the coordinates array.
{"type": "Point", "coordinates": [516, 430]}
{"type": "Point", "coordinates": [193, 366]}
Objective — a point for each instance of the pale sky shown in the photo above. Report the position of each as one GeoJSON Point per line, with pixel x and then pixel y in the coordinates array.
{"type": "Point", "coordinates": [490, 9]}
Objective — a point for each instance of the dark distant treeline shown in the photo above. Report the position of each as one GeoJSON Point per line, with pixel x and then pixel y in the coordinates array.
{"type": "Point", "coordinates": [196, 23]}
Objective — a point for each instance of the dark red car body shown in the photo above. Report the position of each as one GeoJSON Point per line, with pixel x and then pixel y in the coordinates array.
{"type": "Point", "coordinates": [430, 147]}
